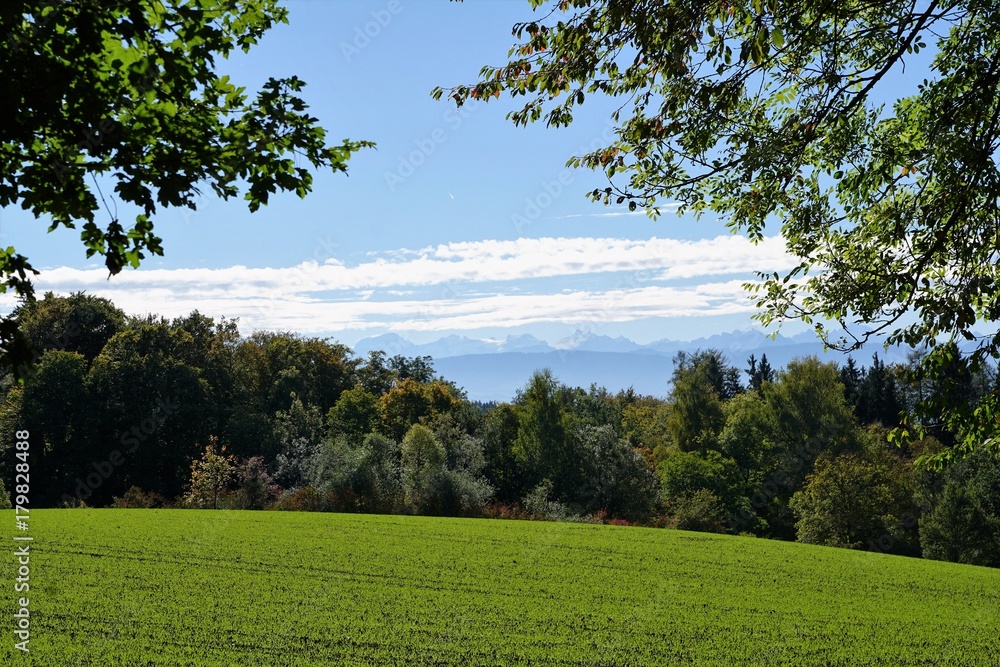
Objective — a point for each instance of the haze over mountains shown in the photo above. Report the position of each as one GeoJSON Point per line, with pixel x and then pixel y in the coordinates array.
{"type": "Point", "coordinates": [493, 370]}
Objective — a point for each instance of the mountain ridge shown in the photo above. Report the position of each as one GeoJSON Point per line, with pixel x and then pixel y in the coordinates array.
{"type": "Point", "coordinates": [495, 369]}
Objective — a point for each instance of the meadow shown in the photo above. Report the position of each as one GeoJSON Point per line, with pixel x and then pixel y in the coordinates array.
{"type": "Point", "coordinates": [203, 588]}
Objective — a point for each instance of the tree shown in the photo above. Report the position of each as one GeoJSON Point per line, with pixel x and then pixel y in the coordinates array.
{"type": "Point", "coordinates": [423, 460]}
{"type": "Point", "coordinates": [852, 501]}
{"type": "Point", "coordinates": [746, 438]}
{"type": "Point", "coordinates": [806, 414]}
{"type": "Point", "coordinates": [724, 379]}
{"type": "Point", "coordinates": [124, 98]}
{"type": "Point", "coordinates": [759, 373]}
{"type": "Point", "coordinates": [256, 490]}
{"type": "Point", "coordinates": [410, 402]}
{"type": "Point", "coordinates": [696, 416]}
{"type": "Point", "coordinates": [77, 323]}
{"type": "Point", "coordinates": [298, 431]}
{"type": "Point", "coordinates": [356, 413]}
{"type": "Point", "coordinates": [155, 409]}
{"type": "Point", "coordinates": [374, 375]}
{"type": "Point", "coordinates": [878, 398]}
{"type": "Point", "coordinates": [684, 473]}
{"type": "Point", "coordinates": [211, 475]}
{"type": "Point", "coordinates": [963, 523]}
{"type": "Point", "coordinates": [621, 482]}
{"type": "Point", "coordinates": [767, 113]}
{"type": "Point", "coordinates": [503, 470]}
{"type": "Point", "coordinates": [545, 447]}
{"type": "Point", "coordinates": [419, 369]}
{"type": "Point", "coordinates": [58, 410]}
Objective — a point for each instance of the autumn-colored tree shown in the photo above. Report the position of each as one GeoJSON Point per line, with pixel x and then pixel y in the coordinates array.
{"type": "Point", "coordinates": [211, 475]}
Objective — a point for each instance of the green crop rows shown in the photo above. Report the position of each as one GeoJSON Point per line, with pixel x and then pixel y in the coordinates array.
{"type": "Point", "coordinates": [200, 588]}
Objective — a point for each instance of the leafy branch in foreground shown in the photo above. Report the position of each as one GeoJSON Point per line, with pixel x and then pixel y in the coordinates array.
{"type": "Point", "coordinates": [108, 102]}
{"type": "Point", "coordinates": [772, 112]}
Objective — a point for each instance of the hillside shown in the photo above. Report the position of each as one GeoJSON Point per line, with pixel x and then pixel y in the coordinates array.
{"type": "Point", "coordinates": [188, 587]}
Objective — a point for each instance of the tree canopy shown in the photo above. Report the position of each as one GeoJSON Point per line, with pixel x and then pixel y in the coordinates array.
{"type": "Point", "coordinates": [771, 113]}
{"type": "Point", "coordinates": [122, 102]}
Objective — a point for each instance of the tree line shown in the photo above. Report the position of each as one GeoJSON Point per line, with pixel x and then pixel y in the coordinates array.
{"type": "Point", "coordinates": [131, 411]}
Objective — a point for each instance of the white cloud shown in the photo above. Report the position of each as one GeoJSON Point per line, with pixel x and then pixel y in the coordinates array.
{"type": "Point", "coordinates": [453, 285]}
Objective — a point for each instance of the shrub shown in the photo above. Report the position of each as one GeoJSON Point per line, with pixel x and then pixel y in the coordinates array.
{"type": "Point", "coordinates": [700, 511]}
{"type": "Point", "coordinates": [302, 499]}
{"type": "Point", "coordinates": [256, 488]}
{"type": "Point", "coordinates": [136, 498]}
{"type": "Point", "coordinates": [538, 504]}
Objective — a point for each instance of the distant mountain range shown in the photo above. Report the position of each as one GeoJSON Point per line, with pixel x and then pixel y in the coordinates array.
{"type": "Point", "coordinates": [493, 370]}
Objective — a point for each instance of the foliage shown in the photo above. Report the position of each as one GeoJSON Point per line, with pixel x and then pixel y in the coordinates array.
{"type": "Point", "coordinates": [759, 373]}
{"type": "Point", "coordinates": [211, 476]}
{"type": "Point", "coordinates": [140, 411]}
{"type": "Point", "coordinates": [410, 401]}
{"type": "Point", "coordinates": [422, 462]}
{"type": "Point", "coordinates": [852, 501]}
{"type": "Point", "coordinates": [964, 523]}
{"type": "Point", "coordinates": [746, 437]}
{"type": "Point", "coordinates": [539, 504]}
{"type": "Point", "coordinates": [368, 473]}
{"type": "Point", "coordinates": [499, 432]}
{"type": "Point", "coordinates": [298, 432]}
{"type": "Point", "coordinates": [767, 114]}
{"type": "Point", "coordinates": [696, 415]}
{"type": "Point", "coordinates": [545, 447]}
{"type": "Point", "coordinates": [356, 411]}
{"type": "Point", "coordinates": [698, 510]}
{"type": "Point", "coordinates": [620, 482]}
{"type": "Point", "coordinates": [77, 323]}
{"type": "Point", "coordinates": [125, 98]}
{"type": "Point", "coordinates": [136, 498]}
{"type": "Point", "coordinates": [684, 474]}
{"type": "Point", "coordinates": [255, 489]}
{"type": "Point", "coordinates": [4, 497]}
{"type": "Point", "coordinates": [302, 499]}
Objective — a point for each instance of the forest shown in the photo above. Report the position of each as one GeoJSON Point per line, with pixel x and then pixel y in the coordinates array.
{"type": "Point", "coordinates": [144, 411]}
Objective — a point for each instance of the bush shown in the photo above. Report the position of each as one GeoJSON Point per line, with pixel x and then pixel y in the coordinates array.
{"type": "Point", "coordinates": [4, 497]}
{"type": "Point", "coordinates": [621, 482]}
{"type": "Point", "coordinates": [303, 499]}
{"type": "Point", "coordinates": [136, 498]}
{"type": "Point", "coordinates": [496, 510]}
{"type": "Point", "coordinates": [700, 511]}
{"type": "Point", "coordinates": [538, 505]}
{"type": "Point", "coordinates": [455, 493]}
{"type": "Point", "coordinates": [256, 489]}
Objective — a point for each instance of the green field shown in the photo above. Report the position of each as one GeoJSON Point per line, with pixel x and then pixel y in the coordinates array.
{"type": "Point", "coordinates": [199, 588]}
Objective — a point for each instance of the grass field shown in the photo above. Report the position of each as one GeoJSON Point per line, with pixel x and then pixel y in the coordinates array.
{"type": "Point", "coordinates": [200, 588]}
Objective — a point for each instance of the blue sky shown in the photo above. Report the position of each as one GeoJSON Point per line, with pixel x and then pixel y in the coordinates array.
{"type": "Point", "coordinates": [459, 222]}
